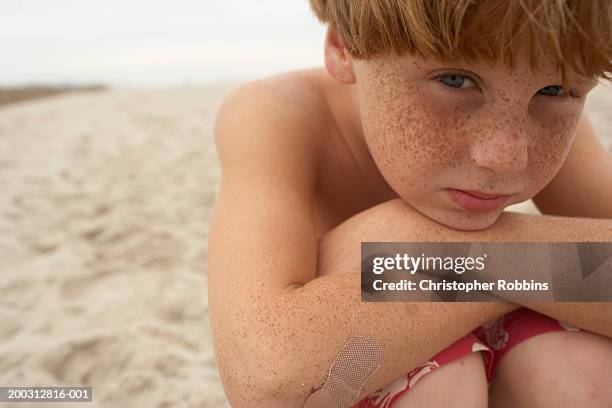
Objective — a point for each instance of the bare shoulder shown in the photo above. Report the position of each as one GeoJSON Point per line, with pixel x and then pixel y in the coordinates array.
{"type": "Point", "coordinates": [285, 112]}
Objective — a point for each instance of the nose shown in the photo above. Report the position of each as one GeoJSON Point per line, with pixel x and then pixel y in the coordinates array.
{"type": "Point", "coordinates": [502, 149]}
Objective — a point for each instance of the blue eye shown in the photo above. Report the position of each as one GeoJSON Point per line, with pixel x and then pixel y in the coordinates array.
{"type": "Point", "coordinates": [455, 81]}
{"type": "Point", "coordinates": [551, 90]}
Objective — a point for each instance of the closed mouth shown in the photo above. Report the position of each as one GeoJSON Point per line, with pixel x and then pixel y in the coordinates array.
{"type": "Point", "coordinates": [482, 195]}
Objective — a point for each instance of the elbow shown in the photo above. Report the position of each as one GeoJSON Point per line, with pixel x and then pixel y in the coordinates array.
{"type": "Point", "coordinates": [255, 390]}
{"type": "Point", "coordinates": [261, 378]}
{"type": "Point", "coordinates": [264, 401]}
{"type": "Point", "coordinates": [260, 360]}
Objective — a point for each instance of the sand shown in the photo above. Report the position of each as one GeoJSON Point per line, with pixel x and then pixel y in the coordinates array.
{"type": "Point", "coordinates": [104, 214]}
{"type": "Point", "coordinates": [103, 238]}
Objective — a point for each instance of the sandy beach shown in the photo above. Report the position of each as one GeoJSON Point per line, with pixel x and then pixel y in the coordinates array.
{"type": "Point", "coordinates": [104, 214]}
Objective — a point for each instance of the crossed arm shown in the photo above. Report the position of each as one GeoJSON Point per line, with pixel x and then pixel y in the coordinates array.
{"type": "Point", "coordinates": [302, 326]}
{"type": "Point", "coordinates": [278, 325]}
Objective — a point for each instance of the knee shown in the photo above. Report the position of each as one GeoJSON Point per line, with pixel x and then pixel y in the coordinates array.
{"type": "Point", "coordinates": [565, 369]}
{"type": "Point", "coordinates": [592, 378]}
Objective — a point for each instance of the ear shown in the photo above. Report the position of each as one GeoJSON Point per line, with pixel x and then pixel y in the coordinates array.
{"type": "Point", "coordinates": [338, 61]}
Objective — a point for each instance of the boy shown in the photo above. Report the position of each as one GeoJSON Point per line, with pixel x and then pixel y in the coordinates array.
{"type": "Point", "coordinates": [428, 119]}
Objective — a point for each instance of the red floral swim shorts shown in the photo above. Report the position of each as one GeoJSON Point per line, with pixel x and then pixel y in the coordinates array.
{"type": "Point", "coordinates": [494, 338]}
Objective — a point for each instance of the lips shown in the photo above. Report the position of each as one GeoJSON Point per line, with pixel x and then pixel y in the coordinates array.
{"type": "Point", "coordinates": [477, 201]}
{"type": "Point", "coordinates": [483, 195]}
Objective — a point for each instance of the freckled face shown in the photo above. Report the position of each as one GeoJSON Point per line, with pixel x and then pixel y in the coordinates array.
{"type": "Point", "coordinates": [431, 127]}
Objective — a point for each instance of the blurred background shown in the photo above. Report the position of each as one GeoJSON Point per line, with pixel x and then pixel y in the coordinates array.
{"type": "Point", "coordinates": [107, 184]}
{"type": "Point", "coordinates": [153, 42]}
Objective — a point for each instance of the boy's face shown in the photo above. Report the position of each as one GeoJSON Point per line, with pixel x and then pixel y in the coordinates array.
{"type": "Point", "coordinates": [433, 128]}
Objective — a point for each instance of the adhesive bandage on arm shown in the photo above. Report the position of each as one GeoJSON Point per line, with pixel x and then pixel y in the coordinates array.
{"type": "Point", "coordinates": [359, 358]}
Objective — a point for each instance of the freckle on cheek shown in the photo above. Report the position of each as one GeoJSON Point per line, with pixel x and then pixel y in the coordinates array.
{"type": "Point", "coordinates": [551, 146]}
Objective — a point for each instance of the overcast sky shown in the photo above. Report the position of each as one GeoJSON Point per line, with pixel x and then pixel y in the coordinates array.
{"type": "Point", "coordinates": [154, 42]}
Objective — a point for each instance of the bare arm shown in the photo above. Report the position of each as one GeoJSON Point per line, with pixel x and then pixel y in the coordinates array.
{"type": "Point", "coordinates": [425, 328]}
{"type": "Point", "coordinates": [276, 327]}
{"type": "Point", "coordinates": [289, 335]}
{"type": "Point", "coordinates": [511, 227]}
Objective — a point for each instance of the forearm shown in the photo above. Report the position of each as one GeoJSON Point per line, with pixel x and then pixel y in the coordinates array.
{"type": "Point", "coordinates": [592, 316]}
{"type": "Point", "coordinates": [512, 227]}
{"type": "Point", "coordinates": [330, 312]}
{"type": "Point", "coordinates": [299, 333]}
